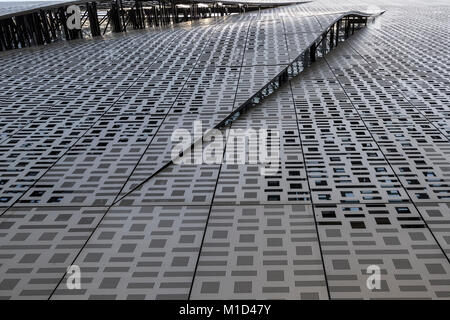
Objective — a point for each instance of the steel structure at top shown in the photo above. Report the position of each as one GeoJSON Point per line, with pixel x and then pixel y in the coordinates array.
{"type": "Point", "coordinates": [46, 22]}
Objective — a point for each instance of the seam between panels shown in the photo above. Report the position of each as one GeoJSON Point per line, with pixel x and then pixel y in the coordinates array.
{"type": "Point", "coordinates": [113, 204]}
{"type": "Point", "coordinates": [206, 222]}
{"type": "Point", "coordinates": [310, 195]}
{"type": "Point", "coordinates": [396, 86]}
{"type": "Point", "coordinates": [220, 167]}
{"type": "Point", "coordinates": [387, 161]}
{"type": "Point", "coordinates": [224, 204]}
{"type": "Point", "coordinates": [90, 127]}
{"type": "Point", "coordinates": [307, 176]}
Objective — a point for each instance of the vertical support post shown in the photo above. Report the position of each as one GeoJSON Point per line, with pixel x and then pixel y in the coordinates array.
{"type": "Point", "coordinates": [2, 44]}
{"type": "Point", "coordinates": [122, 14]}
{"type": "Point", "coordinates": [337, 32]}
{"type": "Point", "coordinates": [324, 43]}
{"type": "Point", "coordinates": [14, 33]}
{"type": "Point", "coordinates": [62, 21]}
{"type": "Point", "coordinates": [353, 25]}
{"type": "Point", "coordinates": [155, 14]}
{"type": "Point", "coordinates": [135, 14]}
{"type": "Point", "coordinates": [24, 31]}
{"type": "Point", "coordinates": [19, 33]}
{"type": "Point", "coordinates": [7, 33]}
{"type": "Point", "coordinates": [174, 12]}
{"type": "Point", "coordinates": [52, 24]}
{"type": "Point", "coordinates": [306, 58]}
{"type": "Point", "coordinates": [283, 78]}
{"type": "Point", "coordinates": [331, 37]}
{"type": "Point", "coordinates": [91, 8]}
{"type": "Point", "coordinates": [45, 29]}
{"type": "Point", "coordinates": [347, 27]}
{"type": "Point", "coordinates": [159, 13]}
{"type": "Point", "coordinates": [312, 53]}
{"type": "Point", "coordinates": [115, 17]}
{"type": "Point", "coordinates": [37, 28]}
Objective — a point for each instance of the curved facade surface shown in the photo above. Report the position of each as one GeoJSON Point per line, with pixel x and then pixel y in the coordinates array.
{"type": "Point", "coordinates": [14, 7]}
{"type": "Point", "coordinates": [363, 177]}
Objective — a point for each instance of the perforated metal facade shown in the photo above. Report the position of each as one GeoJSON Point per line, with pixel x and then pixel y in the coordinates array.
{"type": "Point", "coordinates": [365, 161]}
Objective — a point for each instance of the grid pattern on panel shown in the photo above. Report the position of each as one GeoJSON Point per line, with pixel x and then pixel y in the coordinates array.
{"type": "Point", "coordinates": [244, 183]}
{"type": "Point", "coordinates": [363, 177]}
{"type": "Point", "coordinates": [37, 245]}
{"type": "Point", "coordinates": [146, 252]}
{"type": "Point", "coordinates": [260, 252]}
{"type": "Point", "coordinates": [392, 237]}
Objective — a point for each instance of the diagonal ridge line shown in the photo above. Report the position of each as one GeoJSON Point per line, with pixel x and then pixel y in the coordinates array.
{"type": "Point", "coordinates": [281, 76]}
